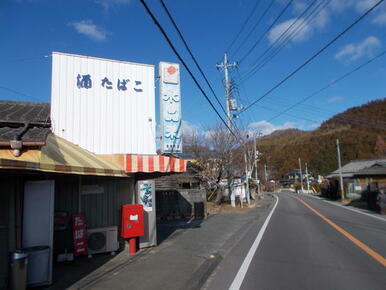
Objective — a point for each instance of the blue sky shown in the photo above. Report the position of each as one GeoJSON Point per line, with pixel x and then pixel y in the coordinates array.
{"type": "Point", "coordinates": [120, 29]}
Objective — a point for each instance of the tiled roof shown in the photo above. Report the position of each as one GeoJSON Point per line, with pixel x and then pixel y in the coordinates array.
{"type": "Point", "coordinates": [349, 169]}
{"type": "Point", "coordinates": [14, 115]}
{"type": "Point", "coordinates": [21, 112]}
{"type": "Point", "coordinates": [379, 168]}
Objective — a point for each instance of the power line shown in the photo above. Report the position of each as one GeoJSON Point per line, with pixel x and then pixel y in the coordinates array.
{"type": "Point", "coordinates": [267, 30]}
{"type": "Point", "coordinates": [254, 27]}
{"type": "Point", "coordinates": [28, 58]}
{"type": "Point", "coordinates": [362, 123]}
{"type": "Point", "coordinates": [281, 36]}
{"type": "Point", "coordinates": [197, 64]}
{"type": "Point", "coordinates": [316, 54]}
{"type": "Point", "coordinates": [22, 94]}
{"type": "Point", "coordinates": [331, 84]}
{"type": "Point", "coordinates": [190, 53]}
{"type": "Point", "coordinates": [348, 117]}
{"type": "Point", "coordinates": [184, 64]}
{"type": "Point", "coordinates": [258, 65]}
{"type": "Point", "coordinates": [369, 123]}
{"type": "Point", "coordinates": [243, 26]}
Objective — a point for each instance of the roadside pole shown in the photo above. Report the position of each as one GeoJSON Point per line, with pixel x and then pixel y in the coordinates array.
{"type": "Point", "coordinates": [301, 174]}
{"type": "Point", "coordinates": [246, 178]}
{"type": "Point", "coordinates": [255, 165]}
{"type": "Point", "coordinates": [228, 93]}
{"type": "Point", "coordinates": [308, 181]}
{"type": "Point", "coordinates": [340, 170]}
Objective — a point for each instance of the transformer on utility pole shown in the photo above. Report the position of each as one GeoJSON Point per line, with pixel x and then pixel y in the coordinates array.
{"type": "Point", "coordinates": [227, 86]}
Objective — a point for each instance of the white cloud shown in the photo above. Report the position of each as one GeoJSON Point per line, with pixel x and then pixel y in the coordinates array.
{"type": "Point", "coordinates": [363, 5]}
{"type": "Point", "coordinates": [380, 18]}
{"type": "Point", "coordinates": [354, 51]}
{"type": "Point", "coordinates": [334, 99]}
{"type": "Point", "coordinates": [301, 34]}
{"type": "Point", "coordinates": [323, 17]}
{"type": "Point", "coordinates": [265, 127]}
{"type": "Point", "coordinates": [188, 128]}
{"type": "Point", "coordinates": [106, 4]}
{"type": "Point", "coordinates": [88, 28]}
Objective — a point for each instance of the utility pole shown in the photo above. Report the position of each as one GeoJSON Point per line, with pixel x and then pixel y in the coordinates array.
{"type": "Point", "coordinates": [301, 174]}
{"type": "Point", "coordinates": [246, 178]}
{"type": "Point", "coordinates": [265, 172]}
{"type": "Point", "coordinates": [308, 181]}
{"type": "Point", "coordinates": [340, 170]}
{"type": "Point", "coordinates": [225, 64]}
{"type": "Point", "coordinates": [227, 85]}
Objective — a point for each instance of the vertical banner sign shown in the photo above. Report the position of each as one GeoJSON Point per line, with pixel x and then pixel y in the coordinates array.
{"type": "Point", "coordinates": [79, 234]}
{"type": "Point", "coordinates": [170, 105]}
{"type": "Point", "coordinates": [146, 195]}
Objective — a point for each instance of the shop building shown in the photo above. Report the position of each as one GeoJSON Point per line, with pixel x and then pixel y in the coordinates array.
{"type": "Point", "coordinates": [89, 152]}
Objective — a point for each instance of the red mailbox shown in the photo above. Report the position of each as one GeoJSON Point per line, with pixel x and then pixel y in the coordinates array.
{"type": "Point", "coordinates": [132, 224]}
{"type": "Point", "coordinates": [132, 221]}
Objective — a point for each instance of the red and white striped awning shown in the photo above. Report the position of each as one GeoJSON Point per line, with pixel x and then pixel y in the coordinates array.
{"type": "Point", "coordinates": [153, 163]}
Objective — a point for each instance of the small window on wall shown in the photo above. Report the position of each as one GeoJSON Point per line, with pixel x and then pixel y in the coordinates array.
{"type": "Point", "coordinates": [186, 185]}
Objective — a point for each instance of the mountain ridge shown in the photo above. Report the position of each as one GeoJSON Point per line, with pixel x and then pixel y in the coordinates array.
{"type": "Point", "coordinates": [361, 131]}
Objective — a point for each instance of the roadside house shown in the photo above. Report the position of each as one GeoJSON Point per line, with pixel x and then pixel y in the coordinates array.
{"type": "Point", "coordinates": [354, 182]}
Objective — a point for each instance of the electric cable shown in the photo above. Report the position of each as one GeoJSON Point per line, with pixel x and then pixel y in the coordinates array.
{"type": "Point", "coordinates": [316, 54]}
{"type": "Point", "coordinates": [254, 27]}
{"type": "Point", "coordinates": [331, 83]}
{"type": "Point", "coordinates": [266, 31]}
{"type": "Point", "coordinates": [278, 39]}
{"type": "Point", "coordinates": [184, 64]}
{"type": "Point", "coordinates": [258, 65]}
{"type": "Point", "coordinates": [191, 54]}
{"type": "Point", "coordinates": [22, 94]}
{"type": "Point", "coordinates": [243, 26]}
{"type": "Point", "coordinates": [196, 62]}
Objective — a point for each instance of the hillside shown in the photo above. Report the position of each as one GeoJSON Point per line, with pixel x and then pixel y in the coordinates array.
{"type": "Point", "coordinates": [361, 131]}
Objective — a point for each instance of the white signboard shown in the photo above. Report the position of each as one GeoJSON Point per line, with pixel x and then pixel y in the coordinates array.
{"type": "Point", "coordinates": [170, 105]}
{"type": "Point", "coordinates": [102, 105]}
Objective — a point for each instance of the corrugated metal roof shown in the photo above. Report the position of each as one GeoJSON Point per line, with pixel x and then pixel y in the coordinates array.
{"type": "Point", "coordinates": [60, 156]}
{"type": "Point", "coordinates": [349, 169]}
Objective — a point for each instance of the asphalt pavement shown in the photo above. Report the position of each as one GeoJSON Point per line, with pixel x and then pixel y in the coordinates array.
{"type": "Point", "coordinates": [307, 244]}
{"type": "Point", "coordinates": [185, 259]}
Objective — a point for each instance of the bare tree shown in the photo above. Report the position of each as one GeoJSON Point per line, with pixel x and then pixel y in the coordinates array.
{"type": "Point", "coordinates": [212, 151]}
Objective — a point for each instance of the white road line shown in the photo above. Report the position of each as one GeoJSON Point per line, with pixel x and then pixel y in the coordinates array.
{"type": "Point", "coordinates": [356, 210]}
{"type": "Point", "coordinates": [349, 208]}
{"type": "Point", "coordinates": [236, 284]}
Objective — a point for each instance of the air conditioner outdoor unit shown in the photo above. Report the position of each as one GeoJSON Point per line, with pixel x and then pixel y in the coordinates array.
{"type": "Point", "coordinates": [102, 240]}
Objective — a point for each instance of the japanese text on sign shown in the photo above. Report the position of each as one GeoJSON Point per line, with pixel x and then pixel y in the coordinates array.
{"type": "Point", "coordinates": [85, 82]}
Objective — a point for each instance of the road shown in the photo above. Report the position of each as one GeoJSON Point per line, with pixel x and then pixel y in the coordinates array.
{"type": "Point", "coordinates": [307, 244]}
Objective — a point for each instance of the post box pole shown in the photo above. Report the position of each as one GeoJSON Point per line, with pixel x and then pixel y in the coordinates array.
{"type": "Point", "coordinates": [132, 246]}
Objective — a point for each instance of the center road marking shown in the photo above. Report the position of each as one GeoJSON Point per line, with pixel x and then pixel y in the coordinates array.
{"type": "Point", "coordinates": [236, 284]}
{"type": "Point", "coordinates": [357, 242]}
